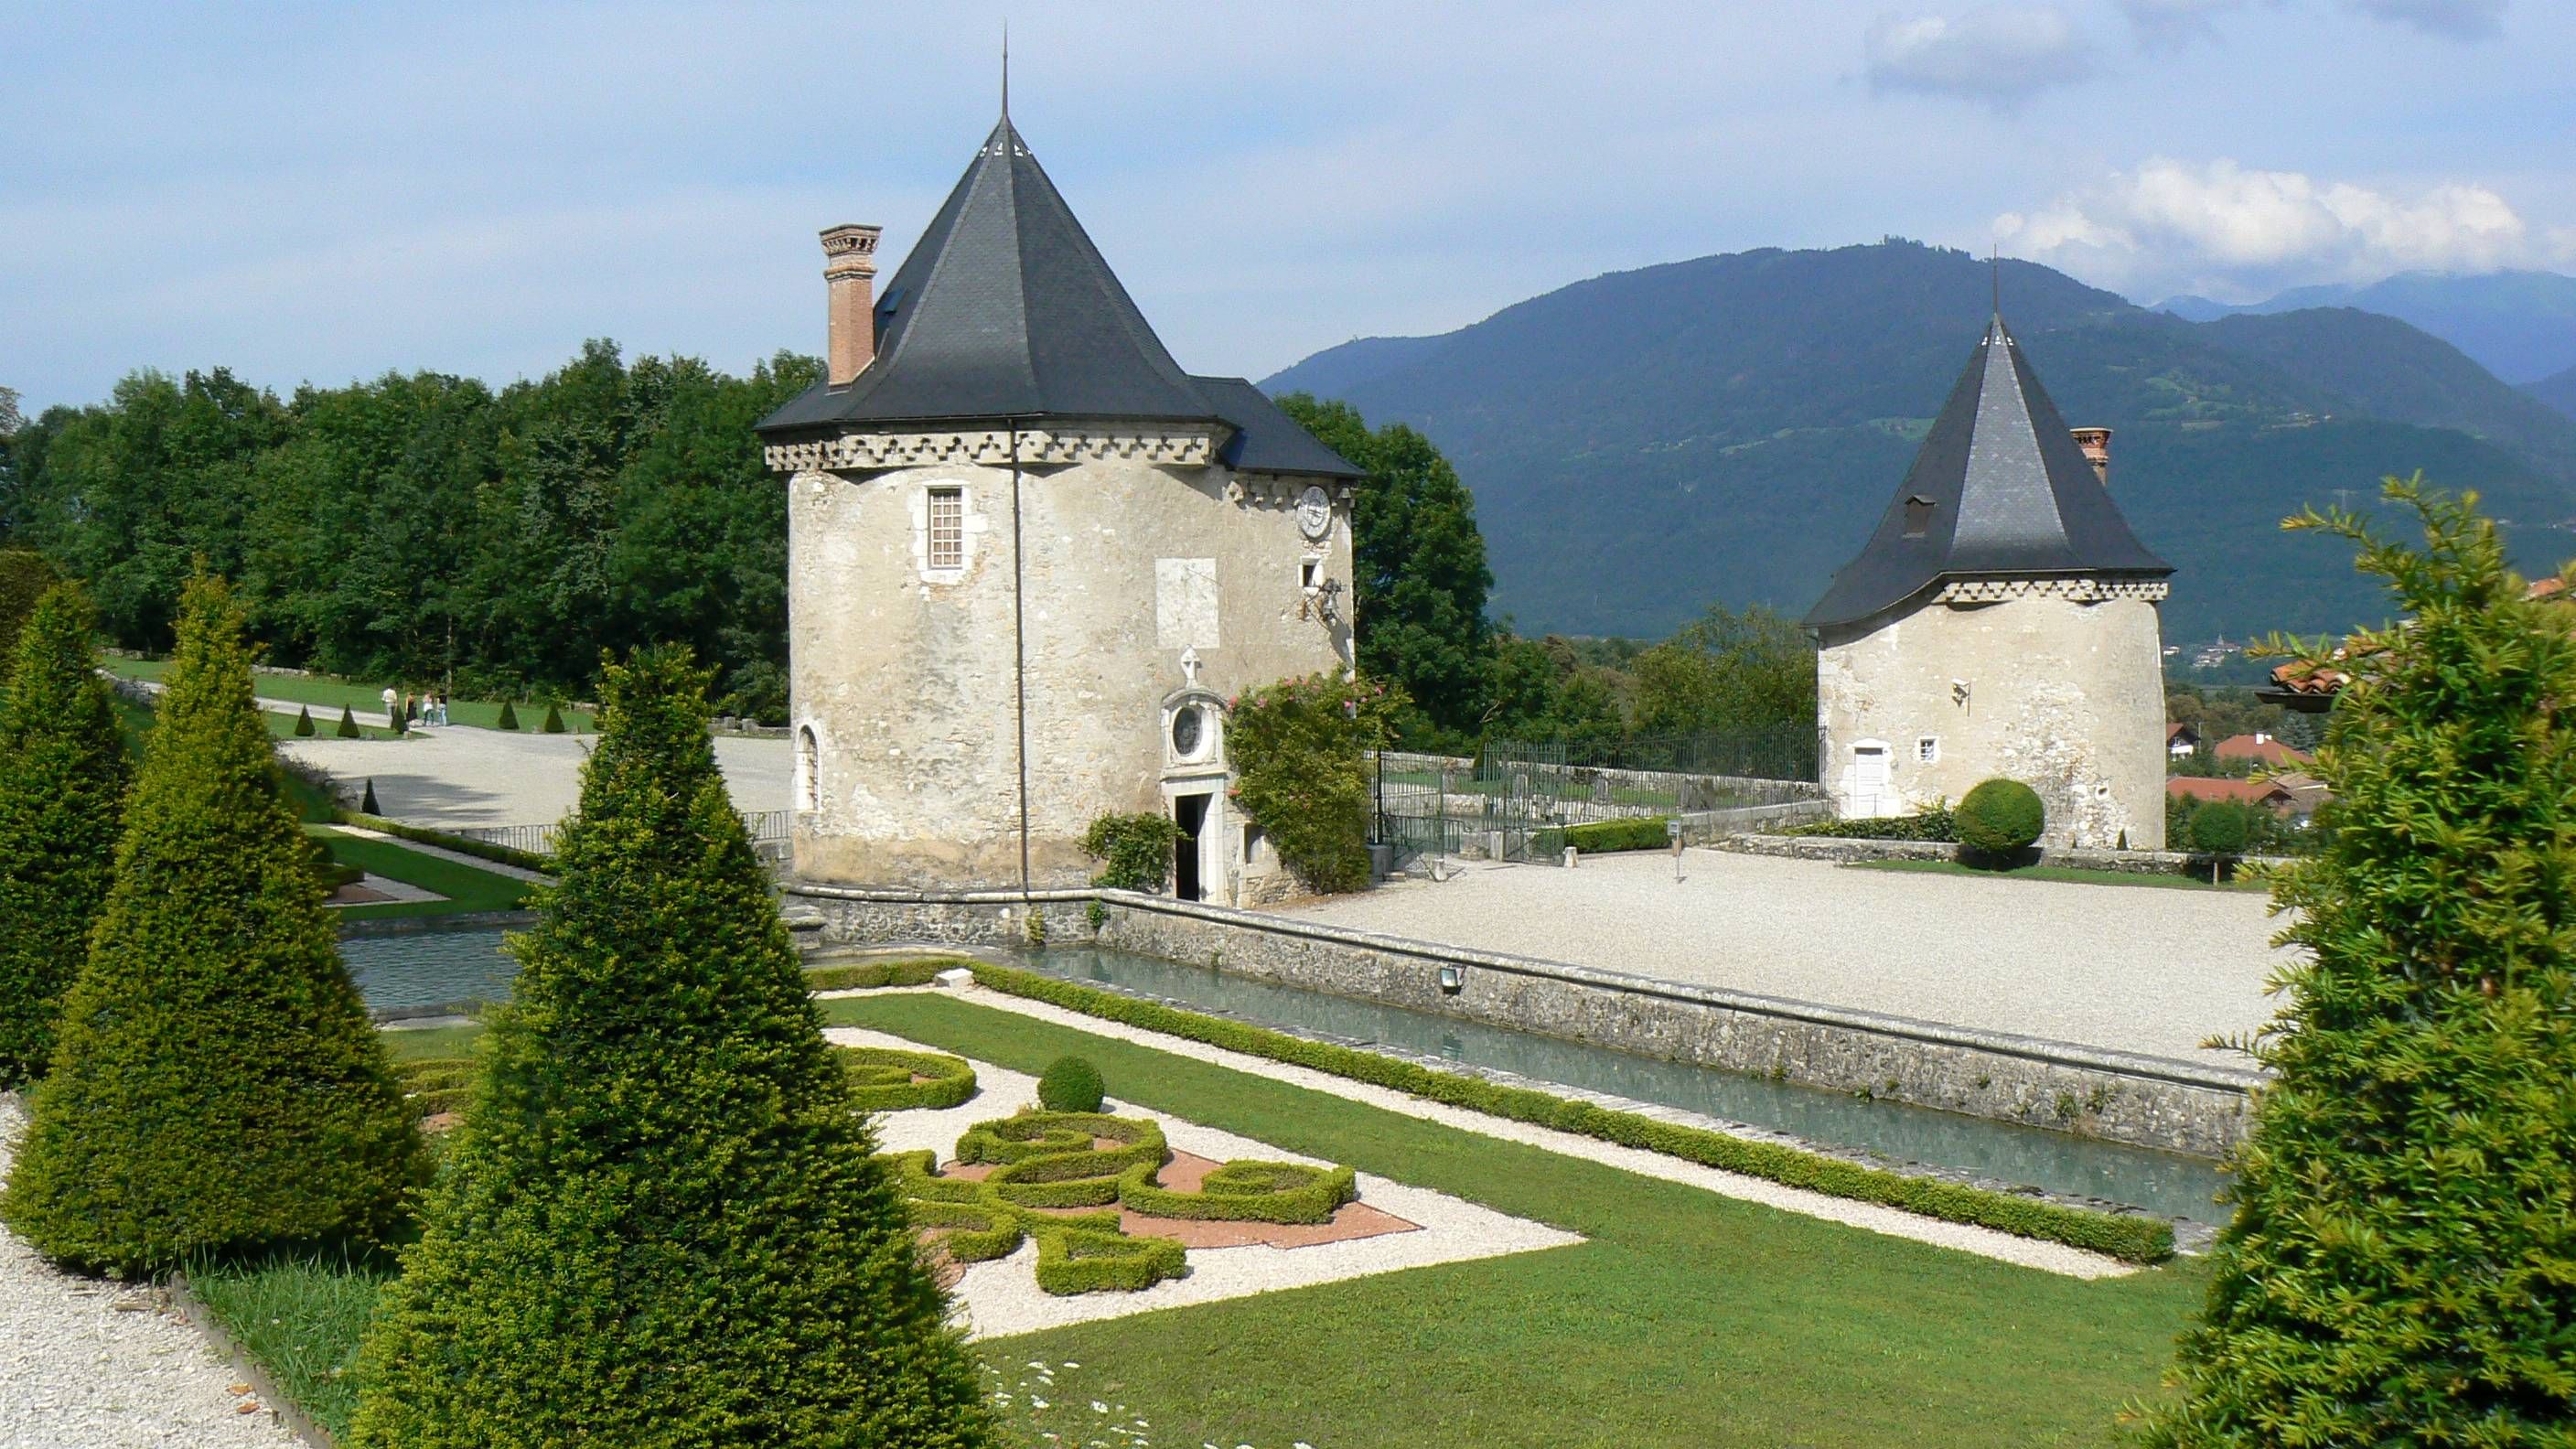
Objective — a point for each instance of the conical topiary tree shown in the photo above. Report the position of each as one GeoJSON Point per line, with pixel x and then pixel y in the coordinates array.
{"type": "Point", "coordinates": [554, 724]}
{"type": "Point", "coordinates": [348, 729]}
{"type": "Point", "coordinates": [304, 723]}
{"type": "Point", "coordinates": [216, 1086]}
{"type": "Point", "coordinates": [2401, 1268]}
{"type": "Point", "coordinates": [63, 776]}
{"type": "Point", "coordinates": [367, 803]}
{"type": "Point", "coordinates": [509, 717]}
{"type": "Point", "coordinates": [660, 1220]}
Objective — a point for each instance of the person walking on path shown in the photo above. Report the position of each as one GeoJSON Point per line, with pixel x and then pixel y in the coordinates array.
{"type": "Point", "coordinates": [389, 704]}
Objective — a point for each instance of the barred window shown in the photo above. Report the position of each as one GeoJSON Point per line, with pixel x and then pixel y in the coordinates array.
{"type": "Point", "coordinates": [947, 528]}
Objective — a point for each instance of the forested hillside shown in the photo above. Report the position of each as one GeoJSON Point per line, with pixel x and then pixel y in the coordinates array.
{"type": "Point", "coordinates": [1728, 429]}
{"type": "Point", "coordinates": [426, 528]}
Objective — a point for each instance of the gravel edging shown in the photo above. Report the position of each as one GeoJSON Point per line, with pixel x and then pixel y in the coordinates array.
{"type": "Point", "coordinates": [281, 1407]}
{"type": "Point", "coordinates": [95, 1364]}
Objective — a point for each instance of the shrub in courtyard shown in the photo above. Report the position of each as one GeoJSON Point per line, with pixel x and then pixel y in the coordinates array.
{"type": "Point", "coordinates": [367, 805]}
{"type": "Point", "coordinates": [348, 728]}
{"type": "Point", "coordinates": [1070, 1084]}
{"type": "Point", "coordinates": [1134, 851]}
{"type": "Point", "coordinates": [1247, 1192]}
{"type": "Point", "coordinates": [1604, 837]}
{"type": "Point", "coordinates": [661, 1221]}
{"type": "Point", "coordinates": [509, 717]}
{"type": "Point", "coordinates": [304, 724]}
{"type": "Point", "coordinates": [63, 776]}
{"type": "Point", "coordinates": [2400, 1264]}
{"type": "Point", "coordinates": [2000, 817]}
{"type": "Point", "coordinates": [216, 1086]}
{"type": "Point", "coordinates": [554, 724]}
{"type": "Point", "coordinates": [1298, 748]}
{"type": "Point", "coordinates": [880, 971]}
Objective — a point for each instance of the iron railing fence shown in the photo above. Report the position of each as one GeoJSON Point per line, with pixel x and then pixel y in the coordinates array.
{"type": "Point", "coordinates": [764, 826]}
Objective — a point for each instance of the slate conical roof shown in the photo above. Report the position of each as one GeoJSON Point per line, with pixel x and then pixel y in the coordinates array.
{"type": "Point", "coordinates": [1999, 490]}
{"type": "Point", "coordinates": [1005, 309]}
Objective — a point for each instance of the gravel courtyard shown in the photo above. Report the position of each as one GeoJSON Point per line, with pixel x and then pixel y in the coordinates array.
{"type": "Point", "coordinates": [456, 776]}
{"type": "Point", "coordinates": [2133, 968]}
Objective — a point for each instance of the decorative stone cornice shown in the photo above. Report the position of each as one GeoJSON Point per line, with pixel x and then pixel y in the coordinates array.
{"type": "Point", "coordinates": [1184, 446]}
{"type": "Point", "coordinates": [2082, 589]}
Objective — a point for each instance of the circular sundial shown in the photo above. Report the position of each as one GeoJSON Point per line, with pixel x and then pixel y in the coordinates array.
{"type": "Point", "coordinates": [1314, 512]}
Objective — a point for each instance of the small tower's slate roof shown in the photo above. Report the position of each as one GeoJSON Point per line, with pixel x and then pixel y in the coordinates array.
{"type": "Point", "coordinates": [1005, 309]}
{"type": "Point", "coordinates": [1999, 490]}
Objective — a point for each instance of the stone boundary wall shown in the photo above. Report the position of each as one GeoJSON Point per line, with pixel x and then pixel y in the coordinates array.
{"type": "Point", "coordinates": [1846, 849]}
{"type": "Point", "coordinates": [2191, 1107]}
{"type": "Point", "coordinates": [1679, 784]}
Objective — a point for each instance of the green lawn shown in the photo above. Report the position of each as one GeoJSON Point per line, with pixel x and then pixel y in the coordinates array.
{"type": "Point", "coordinates": [2060, 873]}
{"type": "Point", "coordinates": [466, 888]}
{"type": "Point", "coordinates": [333, 694]}
{"type": "Point", "coordinates": [310, 802]}
{"type": "Point", "coordinates": [430, 1043]}
{"type": "Point", "coordinates": [1689, 1319]}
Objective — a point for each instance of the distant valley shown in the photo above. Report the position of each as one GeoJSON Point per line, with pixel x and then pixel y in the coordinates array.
{"type": "Point", "coordinates": [1729, 428]}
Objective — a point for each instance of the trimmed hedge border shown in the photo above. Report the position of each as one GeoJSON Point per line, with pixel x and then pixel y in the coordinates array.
{"type": "Point", "coordinates": [480, 849]}
{"type": "Point", "coordinates": [881, 1078]}
{"type": "Point", "coordinates": [1606, 837]}
{"type": "Point", "coordinates": [1246, 1192]}
{"type": "Point", "coordinates": [1081, 1253]}
{"type": "Point", "coordinates": [885, 971]}
{"type": "Point", "coordinates": [1078, 1260]}
{"type": "Point", "coordinates": [2135, 1239]}
{"type": "Point", "coordinates": [432, 1085]}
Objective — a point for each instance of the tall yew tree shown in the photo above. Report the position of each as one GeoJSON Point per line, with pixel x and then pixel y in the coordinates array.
{"type": "Point", "coordinates": [661, 1220]}
{"type": "Point", "coordinates": [63, 776]}
{"type": "Point", "coordinates": [2401, 1268]}
{"type": "Point", "coordinates": [217, 1086]}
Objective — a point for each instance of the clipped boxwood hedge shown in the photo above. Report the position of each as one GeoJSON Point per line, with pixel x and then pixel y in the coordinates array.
{"type": "Point", "coordinates": [1052, 1160]}
{"type": "Point", "coordinates": [465, 845]}
{"type": "Point", "coordinates": [1246, 1192]}
{"type": "Point", "coordinates": [2136, 1239]}
{"type": "Point", "coordinates": [431, 1085]}
{"type": "Point", "coordinates": [881, 1078]}
{"type": "Point", "coordinates": [1080, 1260]}
{"type": "Point", "coordinates": [1077, 1253]}
{"type": "Point", "coordinates": [1602, 837]}
{"type": "Point", "coordinates": [879, 971]}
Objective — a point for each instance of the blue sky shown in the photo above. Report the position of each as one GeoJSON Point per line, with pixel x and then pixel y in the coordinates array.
{"type": "Point", "coordinates": [329, 191]}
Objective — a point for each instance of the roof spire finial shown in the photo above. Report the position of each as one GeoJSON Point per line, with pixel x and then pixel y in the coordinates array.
{"type": "Point", "coordinates": [1006, 68]}
{"type": "Point", "coordinates": [1995, 273]}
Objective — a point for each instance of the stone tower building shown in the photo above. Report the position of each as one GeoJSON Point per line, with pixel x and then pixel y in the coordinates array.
{"type": "Point", "coordinates": [1030, 560]}
{"type": "Point", "coordinates": [2003, 620]}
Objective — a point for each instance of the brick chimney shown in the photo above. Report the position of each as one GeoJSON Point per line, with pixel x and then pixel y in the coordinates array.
{"type": "Point", "coordinates": [2096, 443]}
{"type": "Point", "coordinates": [850, 273]}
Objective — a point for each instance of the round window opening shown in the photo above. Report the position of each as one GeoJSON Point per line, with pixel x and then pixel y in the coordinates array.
{"type": "Point", "coordinates": [1188, 726]}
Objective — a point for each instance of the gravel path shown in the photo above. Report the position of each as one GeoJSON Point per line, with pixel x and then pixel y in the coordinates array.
{"type": "Point", "coordinates": [1002, 1297]}
{"type": "Point", "coordinates": [463, 777]}
{"type": "Point", "coordinates": [1984, 1242]}
{"type": "Point", "coordinates": [2132, 968]}
{"type": "Point", "coordinates": [86, 1364]}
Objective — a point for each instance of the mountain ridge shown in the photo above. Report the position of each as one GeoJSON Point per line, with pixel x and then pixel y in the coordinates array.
{"type": "Point", "coordinates": [1727, 428]}
{"type": "Point", "coordinates": [2519, 325]}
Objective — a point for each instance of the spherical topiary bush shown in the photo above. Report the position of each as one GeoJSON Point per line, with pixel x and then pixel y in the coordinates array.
{"type": "Point", "coordinates": [1070, 1085]}
{"type": "Point", "coordinates": [2000, 817]}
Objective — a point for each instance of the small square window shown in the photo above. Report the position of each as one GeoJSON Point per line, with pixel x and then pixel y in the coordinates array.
{"type": "Point", "coordinates": [948, 528]}
{"type": "Point", "coordinates": [1927, 750]}
{"type": "Point", "coordinates": [1310, 574]}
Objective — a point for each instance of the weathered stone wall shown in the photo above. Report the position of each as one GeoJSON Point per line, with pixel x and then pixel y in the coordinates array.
{"type": "Point", "coordinates": [2062, 694]}
{"type": "Point", "coordinates": [1847, 848]}
{"type": "Point", "coordinates": [904, 674]}
{"type": "Point", "coordinates": [2145, 1101]}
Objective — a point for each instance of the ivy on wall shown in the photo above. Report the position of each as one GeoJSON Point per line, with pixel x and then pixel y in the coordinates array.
{"type": "Point", "coordinates": [1299, 748]}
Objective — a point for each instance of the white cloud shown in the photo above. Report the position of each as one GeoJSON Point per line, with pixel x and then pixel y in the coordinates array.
{"type": "Point", "coordinates": [2461, 19]}
{"type": "Point", "coordinates": [2226, 229]}
{"type": "Point", "coordinates": [2000, 54]}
